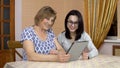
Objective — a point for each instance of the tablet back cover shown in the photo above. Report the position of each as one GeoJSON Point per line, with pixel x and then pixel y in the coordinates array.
{"type": "Point", "coordinates": [77, 49]}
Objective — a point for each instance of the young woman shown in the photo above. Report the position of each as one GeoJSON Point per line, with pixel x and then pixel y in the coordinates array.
{"type": "Point", "coordinates": [74, 31]}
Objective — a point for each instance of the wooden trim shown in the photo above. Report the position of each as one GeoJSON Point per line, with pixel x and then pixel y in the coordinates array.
{"type": "Point", "coordinates": [115, 47]}
{"type": "Point", "coordinates": [12, 21]}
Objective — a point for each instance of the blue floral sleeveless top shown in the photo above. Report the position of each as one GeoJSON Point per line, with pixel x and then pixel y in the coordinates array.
{"type": "Point", "coordinates": [41, 47]}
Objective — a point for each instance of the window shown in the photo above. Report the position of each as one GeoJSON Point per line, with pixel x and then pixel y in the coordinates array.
{"type": "Point", "coordinates": [113, 33]}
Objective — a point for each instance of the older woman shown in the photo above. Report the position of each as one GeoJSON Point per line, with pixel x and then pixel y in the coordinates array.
{"type": "Point", "coordinates": [38, 40]}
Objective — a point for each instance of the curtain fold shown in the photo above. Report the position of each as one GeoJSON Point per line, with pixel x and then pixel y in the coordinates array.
{"type": "Point", "coordinates": [99, 15]}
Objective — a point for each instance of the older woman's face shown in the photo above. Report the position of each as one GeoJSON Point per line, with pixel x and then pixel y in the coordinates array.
{"type": "Point", "coordinates": [47, 23]}
{"type": "Point", "coordinates": [72, 23]}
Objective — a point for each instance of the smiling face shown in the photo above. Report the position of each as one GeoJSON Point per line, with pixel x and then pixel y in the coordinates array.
{"type": "Point", "coordinates": [72, 23]}
{"type": "Point", "coordinates": [45, 18]}
{"type": "Point", "coordinates": [47, 23]}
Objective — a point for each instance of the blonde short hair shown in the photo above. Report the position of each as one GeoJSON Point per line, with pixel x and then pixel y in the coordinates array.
{"type": "Point", "coordinates": [45, 12]}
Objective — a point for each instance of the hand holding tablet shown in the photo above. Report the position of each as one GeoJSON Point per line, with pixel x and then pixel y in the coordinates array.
{"type": "Point", "coordinates": [76, 49]}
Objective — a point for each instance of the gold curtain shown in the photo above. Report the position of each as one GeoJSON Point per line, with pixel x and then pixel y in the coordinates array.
{"type": "Point", "coordinates": [99, 15]}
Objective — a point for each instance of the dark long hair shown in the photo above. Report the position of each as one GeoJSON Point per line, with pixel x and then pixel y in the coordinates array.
{"type": "Point", "coordinates": [80, 29]}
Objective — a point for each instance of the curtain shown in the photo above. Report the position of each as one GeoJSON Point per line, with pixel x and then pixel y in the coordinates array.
{"type": "Point", "coordinates": [99, 15]}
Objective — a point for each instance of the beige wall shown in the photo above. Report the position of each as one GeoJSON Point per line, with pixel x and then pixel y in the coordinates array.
{"type": "Point", "coordinates": [30, 8]}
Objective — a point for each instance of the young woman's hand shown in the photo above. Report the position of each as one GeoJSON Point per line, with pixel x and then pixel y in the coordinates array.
{"type": "Point", "coordinates": [85, 54]}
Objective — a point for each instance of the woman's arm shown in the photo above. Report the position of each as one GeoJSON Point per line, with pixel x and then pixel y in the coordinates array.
{"type": "Point", "coordinates": [59, 47]}
{"type": "Point", "coordinates": [92, 49]}
{"type": "Point", "coordinates": [32, 56]}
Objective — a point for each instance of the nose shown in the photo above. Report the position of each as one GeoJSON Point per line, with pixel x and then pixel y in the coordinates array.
{"type": "Point", "coordinates": [72, 24]}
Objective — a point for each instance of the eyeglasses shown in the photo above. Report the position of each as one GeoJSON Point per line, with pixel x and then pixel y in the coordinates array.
{"type": "Point", "coordinates": [71, 23]}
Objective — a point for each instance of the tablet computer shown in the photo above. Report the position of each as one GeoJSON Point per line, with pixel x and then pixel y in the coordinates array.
{"type": "Point", "coordinates": [76, 49]}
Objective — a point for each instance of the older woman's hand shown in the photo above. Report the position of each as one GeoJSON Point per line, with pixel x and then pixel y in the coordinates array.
{"type": "Point", "coordinates": [63, 57]}
{"type": "Point", "coordinates": [54, 52]}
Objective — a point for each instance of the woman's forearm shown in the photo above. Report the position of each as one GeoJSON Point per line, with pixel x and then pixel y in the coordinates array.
{"type": "Point", "coordinates": [42, 58]}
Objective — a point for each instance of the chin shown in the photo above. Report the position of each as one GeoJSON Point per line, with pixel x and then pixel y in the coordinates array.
{"type": "Point", "coordinates": [72, 30]}
{"type": "Point", "coordinates": [47, 28]}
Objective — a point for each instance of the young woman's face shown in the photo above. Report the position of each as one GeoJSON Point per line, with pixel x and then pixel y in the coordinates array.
{"type": "Point", "coordinates": [47, 23]}
{"type": "Point", "coordinates": [72, 23]}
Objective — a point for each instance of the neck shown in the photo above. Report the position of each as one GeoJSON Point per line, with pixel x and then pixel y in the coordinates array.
{"type": "Point", "coordinates": [73, 35]}
{"type": "Point", "coordinates": [41, 33]}
{"type": "Point", "coordinates": [39, 29]}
